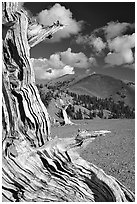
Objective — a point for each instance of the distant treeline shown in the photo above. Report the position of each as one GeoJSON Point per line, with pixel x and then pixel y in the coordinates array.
{"type": "Point", "coordinates": [97, 105]}
{"type": "Point", "coordinates": [94, 105]}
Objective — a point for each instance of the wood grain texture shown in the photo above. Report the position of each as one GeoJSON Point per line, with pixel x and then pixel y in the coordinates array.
{"type": "Point", "coordinates": [35, 166]}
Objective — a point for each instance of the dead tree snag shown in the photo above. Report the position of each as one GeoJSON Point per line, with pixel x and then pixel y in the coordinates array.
{"type": "Point", "coordinates": [36, 167]}
{"type": "Point", "coordinates": [62, 103]}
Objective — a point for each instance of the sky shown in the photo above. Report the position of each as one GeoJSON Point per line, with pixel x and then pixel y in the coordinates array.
{"type": "Point", "coordinates": [99, 38]}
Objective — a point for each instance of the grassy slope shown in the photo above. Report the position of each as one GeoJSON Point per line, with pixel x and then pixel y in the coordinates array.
{"type": "Point", "coordinates": [104, 86]}
{"type": "Point", "coordinates": [98, 85]}
{"type": "Point", "coordinates": [114, 153]}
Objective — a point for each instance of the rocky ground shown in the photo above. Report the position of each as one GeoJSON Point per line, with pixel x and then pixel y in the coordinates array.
{"type": "Point", "coordinates": [114, 153]}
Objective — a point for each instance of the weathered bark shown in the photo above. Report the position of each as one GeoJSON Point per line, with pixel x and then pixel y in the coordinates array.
{"type": "Point", "coordinates": [63, 105]}
{"type": "Point", "coordinates": [36, 167]}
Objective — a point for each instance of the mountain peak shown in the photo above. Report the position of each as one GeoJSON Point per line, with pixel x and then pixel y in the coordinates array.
{"type": "Point", "coordinates": [98, 85]}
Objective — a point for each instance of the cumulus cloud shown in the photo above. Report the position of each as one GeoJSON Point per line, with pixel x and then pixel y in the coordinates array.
{"type": "Point", "coordinates": [121, 43]}
{"type": "Point", "coordinates": [61, 63]}
{"type": "Point", "coordinates": [79, 60]}
{"type": "Point", "coordinates": [54, 73]}
{"type": "Point", "coordinates": [98, 39]}
{"type": "Point", "coordinates": [82, 39]}
{"type": "Point", "coordinates": [119, 58]}
{"type": "Point", "coordinates": [58, 12]}
{"type": "Point", "coordinates": [96, 43]}
{"type": "Point", "coordinates": [121, 50]}
{"type": "Point", "coordinates": [114, 40]}
{"type": "Point", "coordinates": [55, 61]}
{"type": "Point", "coordinates": [44, 71]}
{"type": "Point", "coordinates": [93, 61]}
{"type": "Point", "coordinates": [114, 29]}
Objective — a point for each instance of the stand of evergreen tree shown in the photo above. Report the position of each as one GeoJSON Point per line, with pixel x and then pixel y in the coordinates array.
{"type": "Point", "coordinates": [118, 110]}
{"type": "Point", "coordinates": [93, 104]}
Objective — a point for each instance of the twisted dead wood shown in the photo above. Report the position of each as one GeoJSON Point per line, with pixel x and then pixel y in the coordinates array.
{"type": "Point", "coordinates": [36, 167]}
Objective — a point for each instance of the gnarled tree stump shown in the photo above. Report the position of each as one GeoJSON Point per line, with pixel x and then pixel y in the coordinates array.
{"type": "Point", "coordinates": [35, 166]}
{"type": "Point", "coordinates": [62, 104]}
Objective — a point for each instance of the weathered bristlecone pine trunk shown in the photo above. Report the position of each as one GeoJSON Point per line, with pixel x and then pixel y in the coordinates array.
{"type": "Point", "coordinates": [63, 104]}
{"type": "Point", "coordinates": [35, 166]}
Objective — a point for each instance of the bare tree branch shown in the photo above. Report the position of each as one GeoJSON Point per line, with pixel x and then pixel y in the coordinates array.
{"type": "Point", "coordinates": [37, 168]}
{"type": "Point", "coordinates": [38, 32]}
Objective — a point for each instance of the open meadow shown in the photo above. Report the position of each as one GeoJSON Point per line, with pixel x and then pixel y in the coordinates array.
{"type": "Point", "coordinates": [114, 153]}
